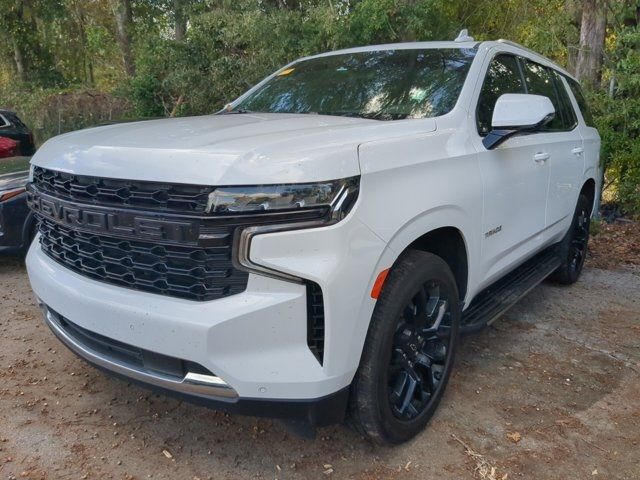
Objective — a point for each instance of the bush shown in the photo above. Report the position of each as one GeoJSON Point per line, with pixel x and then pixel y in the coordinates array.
{"type": "Point", "coordinates": [618, 120]}
{"type": "Point", "coordinates": [223, 54]}
{"type": "Point", "coordinates": [50, 112]}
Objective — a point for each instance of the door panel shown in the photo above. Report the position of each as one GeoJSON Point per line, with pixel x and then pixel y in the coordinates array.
{"type": "Point", "coordinates": [515, 177]}
{"type": "Point", "coordinates": [566, 165]}
{"type": "Point", "coordinates": [590, 136]}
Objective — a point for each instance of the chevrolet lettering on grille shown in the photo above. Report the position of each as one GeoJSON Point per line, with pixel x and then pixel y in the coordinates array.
{"type": "Point", "coordinates": [115, 222]}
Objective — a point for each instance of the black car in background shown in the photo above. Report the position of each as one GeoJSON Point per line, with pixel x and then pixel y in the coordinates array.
{"type": "Point", "coordinates": [12, 128]}
{"type": "Point", "coordinates": [17, 225]}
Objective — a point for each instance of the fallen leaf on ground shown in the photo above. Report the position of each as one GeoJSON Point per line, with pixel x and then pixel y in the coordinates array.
{"type": "Point", "coordinates": [483, 468]}
{"type": "Point", "coordinates": [515, 437]}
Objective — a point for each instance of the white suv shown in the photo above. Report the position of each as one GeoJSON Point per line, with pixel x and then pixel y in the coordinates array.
{"type": "Point", "coordinates": [316, 248]}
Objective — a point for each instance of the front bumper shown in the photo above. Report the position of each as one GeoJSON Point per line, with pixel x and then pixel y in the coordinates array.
{"type": "Point", "coordinates": [112, 356]}
{"type": "Point", "coordinates": [201, 388]}
{"type": "Point", "coordinates": [254, 342]}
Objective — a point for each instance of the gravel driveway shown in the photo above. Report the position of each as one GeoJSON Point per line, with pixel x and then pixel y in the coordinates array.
{"type": "Point", "coordinates": [551, 391]}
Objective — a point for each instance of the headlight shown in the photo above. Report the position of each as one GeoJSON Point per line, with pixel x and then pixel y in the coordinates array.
{"type": "Point", "coordinates": [328, 202]}
{"type": "Point", "coordinates": [335, 198]}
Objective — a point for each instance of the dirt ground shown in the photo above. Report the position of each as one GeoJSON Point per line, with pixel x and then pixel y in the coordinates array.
{"type": "Point", "coordinates": [551, 391]}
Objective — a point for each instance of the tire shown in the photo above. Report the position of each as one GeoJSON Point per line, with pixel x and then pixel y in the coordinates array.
{"type": "Point", "coordinates": [407, 359]}
{"type": "Point", "coordinates": [31, 230]}
{"type": "Point", "coordinates": [573, 247]}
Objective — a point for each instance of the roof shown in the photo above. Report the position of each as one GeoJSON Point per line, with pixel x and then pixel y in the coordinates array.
{"type": "Point", "coordinates": [529, 53]}
{"type": "Point", "coordinates": [444, 45]}
{"type": "Point", "coordinates": [398, 46]}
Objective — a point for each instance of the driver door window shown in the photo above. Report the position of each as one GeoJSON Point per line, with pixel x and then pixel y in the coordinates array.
{"type": "Point", "coordinates": [503, 76]}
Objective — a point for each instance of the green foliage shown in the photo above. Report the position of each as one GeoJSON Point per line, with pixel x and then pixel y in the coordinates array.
{"type": "Point", "coordinates": [224, 53]}
{"type": "Point", "coordinates": [53, 111]}
{"type": "Point", "coordinates": [379, 21]}
{"type": "Point", "coordinates": [618, 119]}
{"type": "Point", "coordinates": [25, 26]}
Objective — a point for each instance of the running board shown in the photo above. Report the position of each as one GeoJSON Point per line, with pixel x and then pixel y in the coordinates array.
{"type": "Point", "coordinates": [495, 300]}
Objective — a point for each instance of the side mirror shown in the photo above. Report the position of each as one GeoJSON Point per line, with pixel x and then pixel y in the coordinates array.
{"type": "Point", "coordinates": [516, 113]}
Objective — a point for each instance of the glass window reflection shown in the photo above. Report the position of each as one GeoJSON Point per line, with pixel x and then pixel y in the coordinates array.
{"type": "Point", "coordinates": [381, 85]}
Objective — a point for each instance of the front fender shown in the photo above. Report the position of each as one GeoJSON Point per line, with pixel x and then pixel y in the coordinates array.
{"type": "Point", "coordinates": [440, 217]}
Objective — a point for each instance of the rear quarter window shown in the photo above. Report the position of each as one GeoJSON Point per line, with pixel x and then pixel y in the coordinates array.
{"type": "Point", "coordinates": [569, 117]}
{"type": "Point", "coordinates": [581, 100]}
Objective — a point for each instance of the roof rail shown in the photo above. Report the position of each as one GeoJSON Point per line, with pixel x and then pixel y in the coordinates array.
{"type": "Point", "coordinates": [517, 45]}
{"type": "Point", "coordinates": [514, 44]}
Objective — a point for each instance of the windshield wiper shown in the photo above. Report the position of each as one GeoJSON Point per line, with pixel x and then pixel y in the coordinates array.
{"type": "Point", "coordinates": [238, 110]}
{"type": "Point", "coordinates": [352, 114]}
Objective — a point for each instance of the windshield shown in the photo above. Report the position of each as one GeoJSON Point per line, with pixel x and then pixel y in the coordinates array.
{"type": "Point", "coordinates": [382, 85]}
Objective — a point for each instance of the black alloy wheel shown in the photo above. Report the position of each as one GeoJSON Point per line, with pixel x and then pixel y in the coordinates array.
{"type": "Point", "coordinates": [579, 241]}
{"type": "Point", "coordinates": [573, 247]}
{"type": "Point", "coordinates": [420, 352]}
{"type": "Point", "coordinates": [409, 351]}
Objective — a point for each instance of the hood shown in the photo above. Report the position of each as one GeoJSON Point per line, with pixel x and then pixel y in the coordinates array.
{"type": "Point", "coordinates": [232, 149]}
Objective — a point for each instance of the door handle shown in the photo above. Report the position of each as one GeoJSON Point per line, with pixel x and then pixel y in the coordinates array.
{"type": "Point", "coordinates": [541, 157]}
{"type": "Point", "coordinates": [577, 151]}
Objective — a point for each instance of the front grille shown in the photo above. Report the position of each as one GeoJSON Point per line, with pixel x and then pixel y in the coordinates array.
{"type": "Point", "coordinates": [144, 235]}
{"type": "Point", "coordinates": [187, 272]}
{"type": "Point", "coordinates": [315, 320]}
{"type": "Point", "coordinates": [152, 196]}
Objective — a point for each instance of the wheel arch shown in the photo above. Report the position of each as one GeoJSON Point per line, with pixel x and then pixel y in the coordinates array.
{"type": "Point", "coordinates": [439, 235]}
{"type": "Point", "coordinates": [589, 190]}
{"type": "Point", "coordinates": [448, 244]}
{"type": "Point", "coordinates": [445, 225]}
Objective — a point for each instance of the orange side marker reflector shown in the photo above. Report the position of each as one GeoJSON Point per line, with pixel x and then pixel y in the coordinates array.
{"type": "Point", "coordinates": [377, 286]}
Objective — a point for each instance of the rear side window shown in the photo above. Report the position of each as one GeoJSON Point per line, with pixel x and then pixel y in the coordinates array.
{"type": "Point", "coordinates": [569, 118]}
{"type": "Point", "coordinates": [582, 102]}
{"type": "Point", "coordinates": [542, 80]}
{"type": "Point", "coordinates": [503, 76]}
{"type": "Point", "coordinates": [539, 81]}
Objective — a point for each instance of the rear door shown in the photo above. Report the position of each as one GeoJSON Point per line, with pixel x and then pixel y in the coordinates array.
{"type": "Point", "coordinates": [590, 136]}
{"type": "Point", "coordinates": [561, 147]}
{"type": "Point", "coordinates": [515, 181]}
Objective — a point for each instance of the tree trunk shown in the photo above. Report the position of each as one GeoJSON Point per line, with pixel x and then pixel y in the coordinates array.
{"type": "Point", "coordinates": [20, 62]}
{"type": "Point", "coordinates": [81, 21]}
{"type": "Point", "coordinates": [180, 20]}
{"type": "Point", "coordinates": [124, 30]}
{"type": "Point", "coordinates": [18, 54]}
{"type": "Point", "coordinates": [592, 33]}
